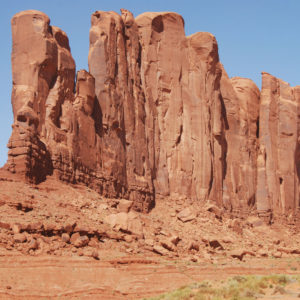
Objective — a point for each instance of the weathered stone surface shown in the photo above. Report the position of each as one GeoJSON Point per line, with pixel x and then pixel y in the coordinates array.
{"type": "Point", "coordinates": [186, 215]}
{"type": "Point", "coordinates": [155, 115]}
{"type": "Point", "coordinates": [113, 61]}
{"type": "Point", "coordinates": [130, 223]}
{"type": "Point", "coordinates": [20, 238]}
{"type": "Point", "coordinates": [65, 237]}
{"type": "Point", "coordinates": [124, 205]}
{"type": "Point", "coordinates": [279, 136]}
{"type": "Point", "coordinates": [71, 134]}
{"type": "Point", "coordinates": [241, 101]}
{"type": "Point", "coordinates": [183, 107]}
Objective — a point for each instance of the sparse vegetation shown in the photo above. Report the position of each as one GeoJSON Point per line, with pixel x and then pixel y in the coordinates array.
{"type": "Point", "coordinates": [235, 288]}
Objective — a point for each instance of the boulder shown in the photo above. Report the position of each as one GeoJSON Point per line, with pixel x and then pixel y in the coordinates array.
{"type": "Point", "coordinates": [214, 243]}
{"type": "Point", "coordinates": [237, 253]}
{"type": "Point", "coordinates": [160, 250]}
{"type": "Point", "coordinates": [20, 238]}
{"type": "Point", "coordinates": [118, 221]}
{"type": "Point", "coordinates": [214, 209]}
{"type": "Point", "coordinates": [124, 205]}
{"type": "Point", "coordinates": [254, 221]}
{"type": "Point", "coordinates": [186, 215]}
{"type": "Point", "coordinates": [65, 237]}
{"type": "Point", "coordinates": [262, 253]}
{"type": "Point", "coordinates": [237, 226]}
{"type": "Point", "coordinates": [33, 245]}
{"type": "Point", "coordinates": [168, 245]}
{"type": "Point", "coordinates": [129, 223]}
{"type": "Point", "coordinates": [80, 241]}
{"type": "Point", "coordinates": [175, 239]}
{"type": "Point", "coordinates": [16, 228]}
{"type": "Point", "coordinates": [193, 246]}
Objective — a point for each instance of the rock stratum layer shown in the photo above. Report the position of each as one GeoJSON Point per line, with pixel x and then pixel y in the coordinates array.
{"type": "Point", "coordinates": [156, 115]}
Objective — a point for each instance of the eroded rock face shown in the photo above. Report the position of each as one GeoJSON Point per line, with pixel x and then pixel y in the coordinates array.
{"type": "Point", "coordinates": [114, 63]}
{"type": "Point", "coordinates": [278, 159]}
{"type": "Point", "coordinates": [184, 120]}
{"type": "Point", "coordinates": [241, 102]}
{"type": "Point", "coordinates": [156, 115]}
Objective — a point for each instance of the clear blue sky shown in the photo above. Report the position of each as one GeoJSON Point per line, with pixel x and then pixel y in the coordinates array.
{"type": "Point", "coordinates": [253, 36]}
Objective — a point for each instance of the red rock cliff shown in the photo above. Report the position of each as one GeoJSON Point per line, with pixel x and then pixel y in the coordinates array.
{"type": "Point", "coordinates": [156, 115]}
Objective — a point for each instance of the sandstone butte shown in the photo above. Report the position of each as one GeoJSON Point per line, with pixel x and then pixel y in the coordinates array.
{"type": "Point", "coordinates": [155, 116]}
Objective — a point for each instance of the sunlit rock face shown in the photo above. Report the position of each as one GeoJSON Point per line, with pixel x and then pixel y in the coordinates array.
{"type": "Point", "coordinates": [278, 159]}
{"type": "Point", "coordinates": [155, 116]}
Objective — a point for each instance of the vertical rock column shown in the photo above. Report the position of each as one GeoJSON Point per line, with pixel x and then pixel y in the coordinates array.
{"type": "Point", "coordinates": [184, 116]}
{"type": "Point", "coordinates": [241, 103]}
{"type": "Point", "coordinates": [248, 96]}
{"type": "Point", "coordinates": [114, 62]}
{"type": "Point", "coordinates": [296, 91]}
{"type": "Point", "coordinates": [139, 175]}
{"type": "Point", "coordinates": [297, 152]}
{"type": "Point", "coordinates": [107, 63]}
{"type": "Point", "coordinates": [34, 67]}
{"type": "Point", "coordinates": [204, 125]}
{"type": "Point", "coordinates": [278, 159]}
{"type": "Point", "coordinates": [162, 40]}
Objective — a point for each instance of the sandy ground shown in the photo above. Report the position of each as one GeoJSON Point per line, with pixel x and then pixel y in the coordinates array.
{"type": "Point", "coordinates": [133, 277]}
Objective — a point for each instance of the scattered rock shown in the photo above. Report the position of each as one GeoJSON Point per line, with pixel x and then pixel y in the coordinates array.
{"type": "Point", "coordinates": [118, 221]}
{"type": "Point", "coordinates": [16, 228]}
{"type": "Point", "coordinates": [4, 225]}
{"type": "Point", "coordinates": [262, 253]}
{"type": "Point", "coordinates": [81, 241]}
{"type": "Point", "coordinates": [238, 253]}
{"type": "Point", "coordinates": [65, 237]}
{"type": "Point", "coordinates": [69, 227]}
{"type": "Point", "coordinates": [186, 215]}
{"type": "Point", "coordinates": [214, 243]}
{"type": "Point", "coordinates": [127, 222]}
{"type": "Point", "coordinates": [74, 237]}
{"type": "Point", "coordinates": [237, 226]}
{"type": "Point", "coordinates": [20, 238]}
{"type": "Point", "coordinates": [174, 239]}
{"type": "Point", "coordinates": [38, 226]}
{"type": "Point", "coordinates": [284, 250]}
{"type": "Point", "coordinates": [95, 254]}
{"type": "Point", "coordinates": [168, 245]}
{"type": "Point", "coordinates": [102, 207]}
{"type": "Point", "coordinates": [135, 225]}
{"type": "Point", "coordinates": [227, 240]}
{"type": "Point", "coordinates": [193, 258]}
{"type": "Point", "coordinates": [33, 245]}
{"type": "Point", "coordinates": [149, 242]}
{"type": "Point", "coordinates": [276, 241]}
{"type": "Point", "coordinates": [128, 238]}
{"type": "Point", "coordinates": [50, 227]}
{"type": "Point", "coordinates": [254, 221]}
{"type": "Point", "coordinates": [129, 250]}
{"type": "Point", "coordinates": [214, 209]}
{"type": "Point", "coordinates": [162, 232]}
{"type": "Point", "coordinates": [160, 250]}
{"type": "Point", "coordinates": [124, 205]}
{"type": "Point", "coordinates": [295, 251]}
{"type": "Point", "coordinates": [193, 246]}
{"type": "Point", "coordinates": [277, 254]}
